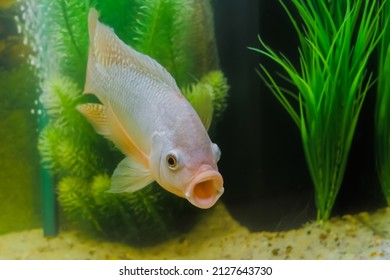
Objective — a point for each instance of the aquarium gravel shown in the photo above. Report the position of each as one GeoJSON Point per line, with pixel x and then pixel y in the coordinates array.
{"type": "Point", "coordinates": [218, 236]}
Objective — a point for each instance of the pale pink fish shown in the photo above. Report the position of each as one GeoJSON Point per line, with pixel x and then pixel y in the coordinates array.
{"type": "Point", "coordinates": [144, 113]}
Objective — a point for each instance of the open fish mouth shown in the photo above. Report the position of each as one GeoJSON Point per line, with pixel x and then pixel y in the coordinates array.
{"type": "Point", "coordinates": [205, 188]}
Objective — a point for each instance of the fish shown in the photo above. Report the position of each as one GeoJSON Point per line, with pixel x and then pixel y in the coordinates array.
{"type": "Point", "coordinates": [144, 113]}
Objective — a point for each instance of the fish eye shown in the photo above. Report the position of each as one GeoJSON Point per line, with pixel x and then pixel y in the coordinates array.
{"type": "Point", "coordinates": [172, 161]}
{"type": "Point", "coordinates": [217, 152]}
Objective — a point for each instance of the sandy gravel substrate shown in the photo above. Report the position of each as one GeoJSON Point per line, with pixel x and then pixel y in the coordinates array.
{"type": "Point", "coordinates": [218, 236]}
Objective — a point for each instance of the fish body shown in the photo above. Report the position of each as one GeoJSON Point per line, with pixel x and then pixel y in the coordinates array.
{"type": "Point", "coordinates": [144, 113]}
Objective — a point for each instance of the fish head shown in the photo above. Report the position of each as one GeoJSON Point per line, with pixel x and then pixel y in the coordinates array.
{"type": "Point", "coordinates": [190, 173]}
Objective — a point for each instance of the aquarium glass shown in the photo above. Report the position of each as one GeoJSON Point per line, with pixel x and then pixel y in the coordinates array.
{"type": "Point", "coordinates": [291, 93]}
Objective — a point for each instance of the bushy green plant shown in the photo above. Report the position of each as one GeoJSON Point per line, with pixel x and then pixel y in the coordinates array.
{"type": "Point", "coordinates": [213, 85]}
{"type": "Point", "coordinates": [336, 40]}
{"type": "Point", "coordinates": [68, 145]}
{"type": "Point", "coordinates": [80, 159]}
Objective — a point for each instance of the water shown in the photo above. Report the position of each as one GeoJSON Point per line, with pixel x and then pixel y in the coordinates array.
{"type": "Point", "coordinates": [268, 189]}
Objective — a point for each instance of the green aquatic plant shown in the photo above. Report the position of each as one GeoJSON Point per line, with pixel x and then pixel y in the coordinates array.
{"type": "Point", "coordinates": [213, 85]}
{"type": "Point", "coordinates": [62, 142]}
{"type": "Point", "coordinates": [382, 114]}
{"type": "Point", "coordinates": [218, 88]}
{"type": "Point", "coordinates": [336, 42]}
{"type": "Point", "coordinates": [77, 156]}
{"type": "Point", "coordinates": [121, 217]}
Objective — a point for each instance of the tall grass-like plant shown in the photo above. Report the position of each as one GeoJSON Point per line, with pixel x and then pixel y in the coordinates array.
{"type": "Point", "coordinates": [336, 39]}
{"type": "Point", "coordinates": [382, 115]}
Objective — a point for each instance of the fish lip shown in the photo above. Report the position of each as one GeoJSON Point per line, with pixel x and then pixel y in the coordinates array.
{"type": "Point", "coordinates": [205, 188]}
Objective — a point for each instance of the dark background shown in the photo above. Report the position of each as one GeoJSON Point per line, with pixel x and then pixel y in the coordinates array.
{"type": "Point", "coordinates": [267, 183]}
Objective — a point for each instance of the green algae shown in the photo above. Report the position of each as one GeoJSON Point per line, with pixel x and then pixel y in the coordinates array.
{"type": "Point", "coordinates": [19, 161]}
{"type": "Point", "coordinates": [19, 195]}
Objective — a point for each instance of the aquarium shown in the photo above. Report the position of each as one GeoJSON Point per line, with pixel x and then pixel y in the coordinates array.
{"type": "Point", "coordinates": [194, 129]}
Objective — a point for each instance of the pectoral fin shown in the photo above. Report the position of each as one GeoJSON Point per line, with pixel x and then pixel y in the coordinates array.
{"type": "Point", "coordinates": [133, 172]}
{"type": "Point", "coordinates": [130, 176]}
{"type": "Point", "coordinates": [96, 115]}
{"type": "Point", "coordinates": [106, 123]}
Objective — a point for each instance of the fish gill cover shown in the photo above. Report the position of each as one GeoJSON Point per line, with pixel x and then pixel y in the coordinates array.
{"type": "Point", "coordinates": [180, 36]}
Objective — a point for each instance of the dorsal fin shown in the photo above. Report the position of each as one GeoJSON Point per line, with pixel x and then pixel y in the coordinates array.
{"type": "Point", "coordinates": [108, 50]}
